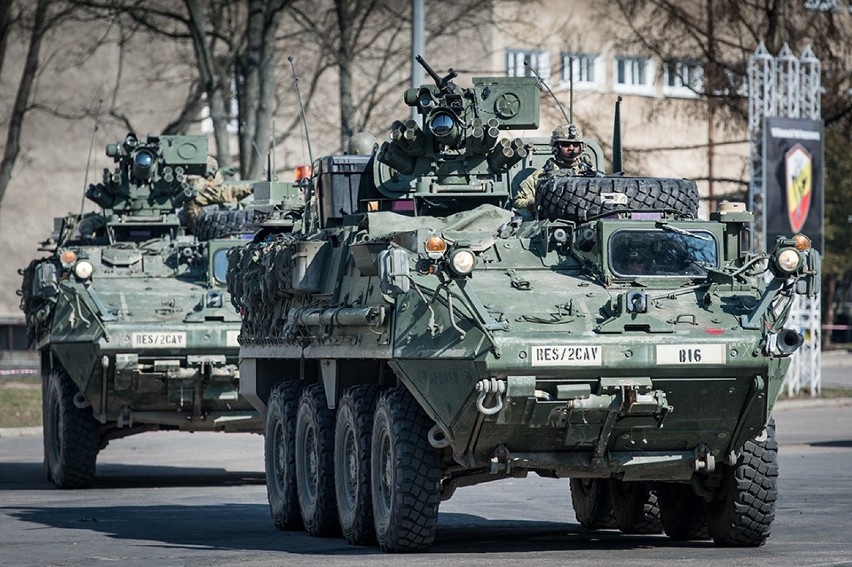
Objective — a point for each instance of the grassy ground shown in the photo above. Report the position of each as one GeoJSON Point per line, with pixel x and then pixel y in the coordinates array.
{"type": "Point", "coordinates": [20, 404]}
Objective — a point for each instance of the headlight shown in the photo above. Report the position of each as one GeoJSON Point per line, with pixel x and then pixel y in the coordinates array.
{"type": "Point", "coordinates": [83, 269]}
{"type": "Point", "coordinates": [435, 247]}
{"type": "Point", "coordinates": [462, 262]}
{"type": "Point", "coordinates": [788, 260]}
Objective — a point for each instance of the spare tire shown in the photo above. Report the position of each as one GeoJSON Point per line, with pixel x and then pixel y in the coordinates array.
{"type": "Point", "coordinates": [579, 198]}
{"type": "Point", "coordinates": [218, 223]}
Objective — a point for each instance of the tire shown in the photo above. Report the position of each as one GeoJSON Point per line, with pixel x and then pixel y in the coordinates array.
{"type": "Point", "coordinates": [635, 507]}
{"type": "Point", "coordinates": [405, 474]}
{"type": "Point", "coordinates": [682, 513]}
{"type": "Point", "coordinates": [353, 435]}
{"type": "Point", "coordinates": [315, 463]}
{"type": "Point", "coordinates": [742, 512]}
{"type": "Point", "coordinates": [579, 198]}
{"type": "Point", "coordinates": [72, 437]}
{"type": "Point", "coordinates": [279, 455]}
{"type": "Point", "coordinates": [218, 223]}
{"type": "Point", "coordinates": [592, 504]}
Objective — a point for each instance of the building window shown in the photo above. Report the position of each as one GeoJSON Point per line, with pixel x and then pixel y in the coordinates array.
{"type": "Point", "coordinates": [538, 60]}
{"type": "Point", "coordinates": [683, 79]}
{"type": "Point", "coordinates": [634, 75]}
{"type": "Point", "coordinates": [585, 68]}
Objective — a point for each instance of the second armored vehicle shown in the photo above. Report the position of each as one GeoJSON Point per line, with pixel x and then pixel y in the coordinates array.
{"type": "Point", "coordinates": [416, 336]}
{"type": "Point", "coordinates": [131, 316]}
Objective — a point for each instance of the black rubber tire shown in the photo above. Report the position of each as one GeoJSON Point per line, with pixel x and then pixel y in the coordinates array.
{"type": "Point", "coordinates": [353, 437]}
{"type": "Point", "coordinates": [315, 463]}
{"type": "Point", "coordinates": [405, 474]}
{"type": "Point", "coordinates": [72, 437]}
{"type": "Point", "coordinates": [635, 507]}
{"type": "Point", "coordinates": [218, 223]}
{"type": "Point", "coordinates": [742, 512]}
{"type": "Point", "coordinates": [682, 512]}
{"type": "Point", "coordinates": [279, 455]}
{"type": "Point", "coordinates": [592, 504]}
{"type": "Point", "coordinates": [579, 198]}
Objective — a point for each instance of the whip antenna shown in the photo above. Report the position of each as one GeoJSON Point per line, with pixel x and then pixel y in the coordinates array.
{"type": "Point", "coordinates": [301, 109]}
{"type": "Point", "coordinates": [89, 158]}
{"type": "Point", "coordinates": [556, 100]}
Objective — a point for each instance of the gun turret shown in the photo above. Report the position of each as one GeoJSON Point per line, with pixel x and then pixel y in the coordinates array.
{"type": "Point", "coordinates": [151, 174]}
{"type": "Point", "coordinates": [457, 153]}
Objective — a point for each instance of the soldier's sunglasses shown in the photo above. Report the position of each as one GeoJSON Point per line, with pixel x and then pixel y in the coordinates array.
{"type": "Point", "coordinates": [569, 144]}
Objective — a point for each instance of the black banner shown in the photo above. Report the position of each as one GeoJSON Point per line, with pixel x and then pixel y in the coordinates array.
{"type": "Point", "coordinates": [794, 197]}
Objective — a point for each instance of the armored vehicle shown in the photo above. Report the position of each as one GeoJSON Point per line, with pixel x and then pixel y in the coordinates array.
{"type": "Point", "coordinates": [416, 336]}
{"type": "Point", "coordinates": [131, 316]}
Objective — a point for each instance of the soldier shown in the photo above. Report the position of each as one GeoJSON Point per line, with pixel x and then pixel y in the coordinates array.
{"type": "Point", "coordinates": [568, 146]}
{"type": "Point", "coordinates": [211, 190]}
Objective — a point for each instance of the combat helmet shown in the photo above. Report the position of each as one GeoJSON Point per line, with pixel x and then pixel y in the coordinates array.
{"type": "Point", "coordinates": [361, 143]}
{"type": "Point", "coordinates": [565, 133]}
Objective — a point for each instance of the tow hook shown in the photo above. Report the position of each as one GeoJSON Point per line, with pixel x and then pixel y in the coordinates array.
{"type": "Point", "coordinates": [487, 387]}
{"type": "Point", "coordinates": [704, 461]}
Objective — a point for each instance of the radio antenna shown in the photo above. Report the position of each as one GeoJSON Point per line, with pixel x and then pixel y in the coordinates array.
{"type": "Point", "coordinates": [556, 100]}
{"type": "Point", "coordinates": [89, 158]}
{"type": "Point", "coordinates": [301, 109]}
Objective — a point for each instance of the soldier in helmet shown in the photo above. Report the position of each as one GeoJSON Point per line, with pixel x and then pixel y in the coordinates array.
{"type": "Point", "coordinates": [568, 146]}
{"type": "Point", "coordinates": [210, 189]}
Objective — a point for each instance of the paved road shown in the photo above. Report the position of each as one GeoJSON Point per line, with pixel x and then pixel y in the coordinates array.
{"type": "Point", "coordinates": [199, 499]}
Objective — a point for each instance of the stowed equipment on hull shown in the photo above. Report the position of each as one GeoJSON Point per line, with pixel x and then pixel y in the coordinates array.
{"type": "Point", "coordinates": [423, 337]}
{"type": "Point", "coordinates": [130, 314]}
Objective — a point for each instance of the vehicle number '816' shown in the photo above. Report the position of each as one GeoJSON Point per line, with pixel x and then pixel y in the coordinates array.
{"type": "Point", "coordinates": [565, 355]}
{"type": "Point", "coordinates": [691, 354]}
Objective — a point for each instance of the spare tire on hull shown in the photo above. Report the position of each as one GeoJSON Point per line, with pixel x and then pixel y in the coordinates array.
{"type": "Point", "coordinates": [580, 198]}
{"type": "Point", "coordinates": [218, 223]}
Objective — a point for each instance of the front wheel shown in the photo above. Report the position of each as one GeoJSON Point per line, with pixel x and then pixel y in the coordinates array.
{"type": "Point", "coordinates": [744, 507]}
{"type": "Point", "coordinates": [405, 474]}
{"type": "Point", "coordinates": [71, 434]}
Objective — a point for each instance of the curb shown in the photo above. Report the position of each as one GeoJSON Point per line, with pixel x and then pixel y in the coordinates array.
{"type": "Point", "coordinates": [808, 403]}
{"type": "Point", "coordinates": [10, 432]}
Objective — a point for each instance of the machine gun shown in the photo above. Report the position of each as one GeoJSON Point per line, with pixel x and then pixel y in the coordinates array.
{"type": "Point", "coordinates": [457, 155]}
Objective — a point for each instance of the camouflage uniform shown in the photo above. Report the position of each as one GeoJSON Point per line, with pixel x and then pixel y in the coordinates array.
{"type": "Point", "coordinates": [211, 190]}
{"type": "Point", "coordinates": [579, 165]}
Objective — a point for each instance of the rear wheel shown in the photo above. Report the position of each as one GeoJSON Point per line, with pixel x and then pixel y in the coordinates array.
{"type": "Point", "coordinates": [682, 513]}
{"type": "Point", "coordinates": [635, 507]}
{"type": "Point", "coordinates": [315, 463]}
{"type": "Point", "coordinates": [744, 507]}
{"type": "Point", "coordinates": [353, 435]}
{"type": "Point", "coordinates": [280, 460]}
{"type": "Point", "coordinates": [592, 504]}
{"type": "Point", "coordinates": [405, 474]}
{"type": "Point", "coordinates": [71, 434]}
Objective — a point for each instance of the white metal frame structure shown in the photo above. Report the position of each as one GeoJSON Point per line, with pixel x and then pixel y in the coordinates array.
{"type": "Point", "coordinates": [789, 87]}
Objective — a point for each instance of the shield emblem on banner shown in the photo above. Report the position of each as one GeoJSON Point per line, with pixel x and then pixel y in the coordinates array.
{"type": "Point", "coordinates": [798, 169]}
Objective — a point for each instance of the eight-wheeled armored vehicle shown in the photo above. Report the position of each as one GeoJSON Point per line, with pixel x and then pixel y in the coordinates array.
{"type": "Point", "coordinates": [416, 336]}
{"type": "Point", "coordinates": [131, 316]}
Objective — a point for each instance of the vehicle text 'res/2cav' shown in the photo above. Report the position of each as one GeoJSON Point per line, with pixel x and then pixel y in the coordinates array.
{"type": "Point", "coordinates": [131, 314]}
{"type": "Point", "coordinates": [417, 335]}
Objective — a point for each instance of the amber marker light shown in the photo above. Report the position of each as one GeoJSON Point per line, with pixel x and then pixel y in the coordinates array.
{"type": "Point", "coordinates": [435, 247]}
{"type": "Point", "coordinates": [802, 242]}
{"type": "Point", "coordinates": [303, 172]}
{"type": "Point", "coordinates": [68, 258]}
